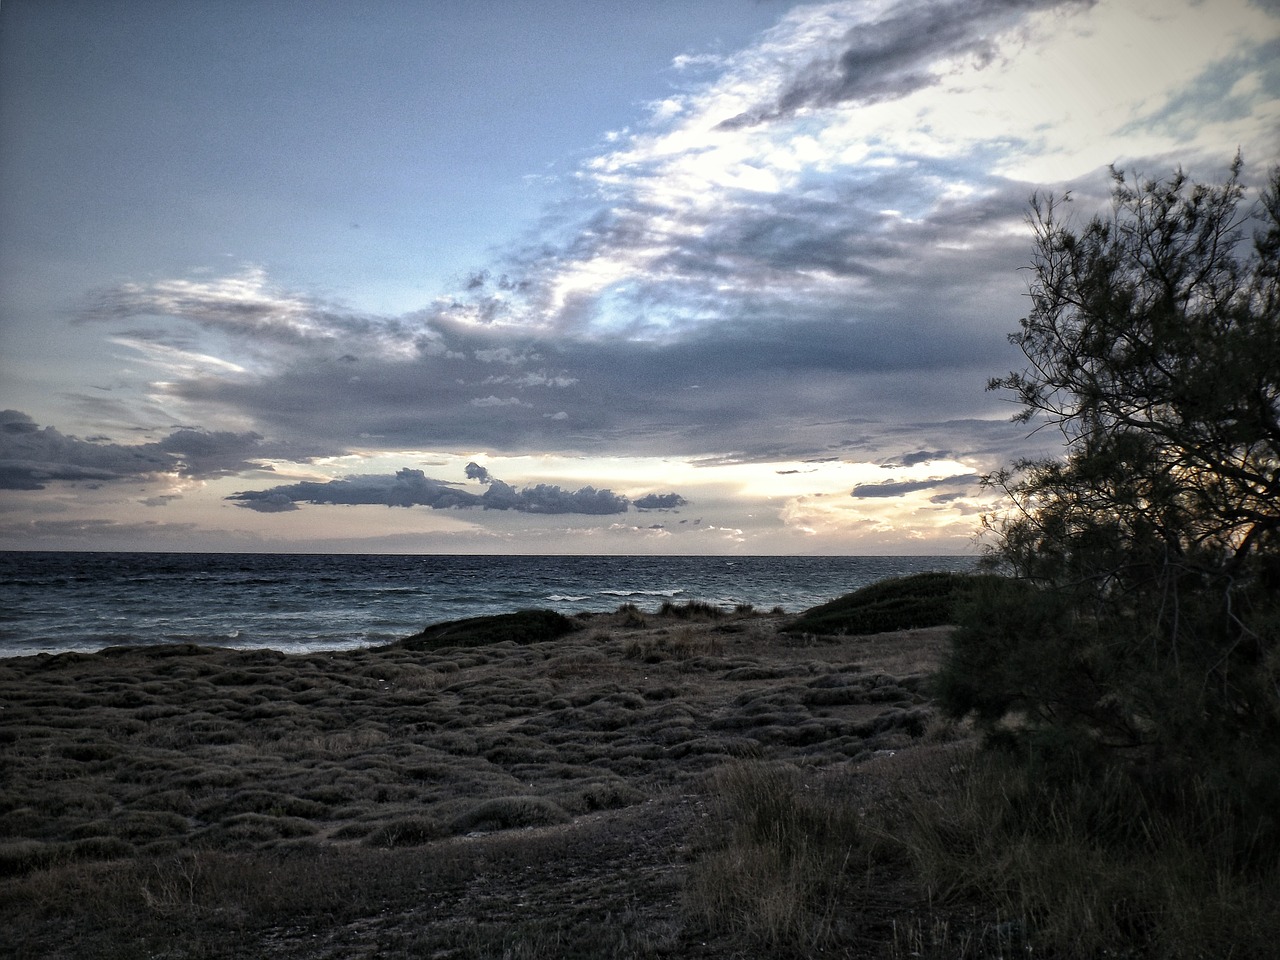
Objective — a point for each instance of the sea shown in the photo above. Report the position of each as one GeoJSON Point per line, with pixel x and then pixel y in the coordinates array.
{"type": "Point", "coordinates": [59, 602]}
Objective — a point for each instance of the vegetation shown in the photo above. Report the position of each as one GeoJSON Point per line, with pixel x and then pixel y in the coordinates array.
{"type": "Point", "coordinates": [510, 799]}
{"type": "Point", "coordinates": [899, 603]}
{"type": "Point", "coordinates": [1154, 545]}
{"type": "Point", "coordinates": [523, 626]}
{"type": "Point", "coordinates": [1132, 663]}
{"type": "Point", "coordinates": [782, 860]}
{"type": "Point", "coordinates": [698, 782]}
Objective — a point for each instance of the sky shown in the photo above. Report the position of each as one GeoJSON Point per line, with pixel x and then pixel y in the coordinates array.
{"type": "Point", "coordinates": [487, 276]}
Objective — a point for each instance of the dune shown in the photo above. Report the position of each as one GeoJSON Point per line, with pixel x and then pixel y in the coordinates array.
{"type": "Point", "coordinates": [455, 794]}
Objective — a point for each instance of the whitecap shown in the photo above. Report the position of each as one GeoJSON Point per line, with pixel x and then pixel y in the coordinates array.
{"type": "Point", "coordinates": [641, 593]}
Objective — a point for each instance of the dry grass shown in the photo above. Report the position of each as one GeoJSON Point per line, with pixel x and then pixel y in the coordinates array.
{"type": "Point", "coordinates": [1086, 872]}
{"type": "Point", "coordinates": [652, 785]}
{"type": "Point", "coordinates": [503, 800]}
{"type": "Point", "coordinates": [688, 782]}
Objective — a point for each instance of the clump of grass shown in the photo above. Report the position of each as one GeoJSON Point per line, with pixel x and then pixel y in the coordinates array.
{"type": "Point", "coordinates": [685, 644]}
{"type": "Point", "coordinates": [690, 610]}
{"type": "Point", "coordinates": [778, 861]}
{"type": "Point", "coordinates": [506, 813]}
{"type": "Point", "coordinates": [407, 832]}
{"type": "Point", "coordinates": [632, 615]}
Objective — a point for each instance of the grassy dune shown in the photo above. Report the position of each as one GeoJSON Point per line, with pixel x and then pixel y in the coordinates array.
{"type": "Point", "coordinates": [682, 783]}
{"type": "Point", "coordinates": [547, 798]}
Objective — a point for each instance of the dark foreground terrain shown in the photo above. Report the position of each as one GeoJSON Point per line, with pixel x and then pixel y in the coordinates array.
{"type": "Point", "coordinates": [573, 797]}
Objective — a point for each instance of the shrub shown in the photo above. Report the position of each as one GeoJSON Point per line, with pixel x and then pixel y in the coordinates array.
{"type": "Point", "coordinates": [522, 627]}
{"type": "Point", "coordinates": [898, 603]}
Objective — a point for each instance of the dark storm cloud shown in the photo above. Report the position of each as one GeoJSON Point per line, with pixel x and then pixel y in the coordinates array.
{"type": "Point", "coordinates": [267, 501]}
{"type": "Point", "coordinates": [548, 498]}
{"type": "Point", "coordinates": [899, 54]}
{"type": "Point", "coordinates": [32, 457]}
{"type": "Point", "coordinates": [405, 488]}
{"type": "Point", "coordinates": [409, 488]}
{"type": "Point", "coordinates": [755, 389]}
{"type": "Point", "coordinates": [917, 457]}
{"type": "Point", "coordinates": [210, 453]}
{"type": "Point", "coordinates": [655, 501]}
{"type": "Point", "coordinates": [898, 488]}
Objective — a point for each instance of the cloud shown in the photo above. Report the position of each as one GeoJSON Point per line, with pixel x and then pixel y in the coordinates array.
{"type": "Point", "coordinates": [409, 487]}
{"type": "Point", "coordinates": [548, 498]}
{"type": "Point", "coordinates": [405, 488]}
{"type": "Point", "coordinates": [32, 457]}
{"type": "Point", "coordinates": [898, 49]}
{"type": "Point", "coordinates": [259, 316]}
{"type": "Point", "coordinates": [210, 453]}
{"type": "Point", "coordinates": [268, 501]}
{"type": "Point", "coordinates": [898, 488]}
{"type": "Point", "coordinates": [830, 274]}
{"type": "Point", "coordinates": [918, 457]}
{"type": "Point", "coordinates": [656, 501]}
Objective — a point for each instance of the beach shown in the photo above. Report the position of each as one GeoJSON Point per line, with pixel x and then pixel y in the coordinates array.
{"type": "Point", "coordinates": [548, 798]}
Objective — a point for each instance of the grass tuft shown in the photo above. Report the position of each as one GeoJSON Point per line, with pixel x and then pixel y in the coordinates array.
{"type": "Point", "coordinates": [690, 610]}
{"type": "Point", "coordinates": [777, 862]}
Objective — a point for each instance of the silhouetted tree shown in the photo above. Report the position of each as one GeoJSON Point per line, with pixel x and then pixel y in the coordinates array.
{"type": "Point", "coordinates": [1142, 623]}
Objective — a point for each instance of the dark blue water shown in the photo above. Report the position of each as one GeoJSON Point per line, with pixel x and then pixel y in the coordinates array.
{"type": "Point", "coordinates": [52, 602]}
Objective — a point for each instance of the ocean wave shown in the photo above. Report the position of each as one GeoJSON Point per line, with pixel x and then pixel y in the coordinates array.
{"type": "Point", "coordinates": [51, 602]}
{"type": "Point", "coordinates": [641, 593]}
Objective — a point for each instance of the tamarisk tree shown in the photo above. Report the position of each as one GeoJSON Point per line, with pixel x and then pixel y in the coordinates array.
{"type": "Point", "coordinates": [1147, 557]}
{"type": "Point", "coordinates": [1155, 348]}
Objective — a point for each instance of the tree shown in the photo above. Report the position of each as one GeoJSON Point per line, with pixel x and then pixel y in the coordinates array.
{"type": "Point", "coordinates": [1155, 348]}
{"type": "Point", "coordinates": [1144, 626]}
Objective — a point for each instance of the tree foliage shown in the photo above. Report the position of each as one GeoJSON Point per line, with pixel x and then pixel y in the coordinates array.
{"type": "Point", "coordinates": [1155, 347]}
{"type": "Point", "coordinates": [1144, 622]}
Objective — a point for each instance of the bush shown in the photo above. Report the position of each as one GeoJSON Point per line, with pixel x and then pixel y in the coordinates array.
{"type": "Point", "coordinates": [522, 627]}
{"type": "Point", "coordinates": [1133, 668]}
{"type": "Point", "coordinates": [690, 610]}
{"type": "Point", "coordinates": [899, 603]}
